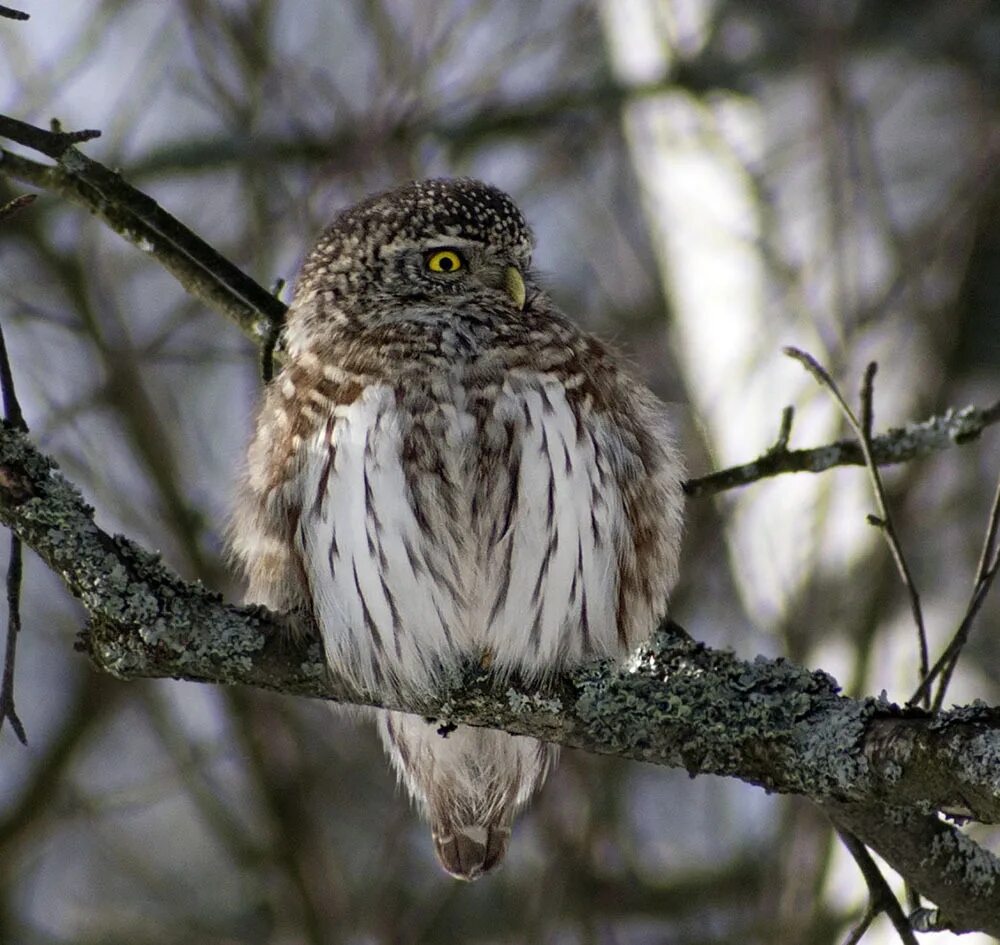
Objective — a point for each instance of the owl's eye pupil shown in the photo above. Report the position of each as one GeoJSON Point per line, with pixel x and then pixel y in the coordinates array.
{"type": "Point", "coordinates": [444, 260]}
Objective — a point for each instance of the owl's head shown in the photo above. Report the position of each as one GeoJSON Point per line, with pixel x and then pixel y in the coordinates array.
{"type": "Point", "coordinates": [447, 243]}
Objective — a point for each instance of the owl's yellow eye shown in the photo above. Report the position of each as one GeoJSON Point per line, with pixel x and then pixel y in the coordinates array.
{"type": "Point", "coordinates": [444, 260]}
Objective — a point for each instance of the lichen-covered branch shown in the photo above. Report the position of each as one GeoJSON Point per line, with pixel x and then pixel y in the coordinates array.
{"type": "Point", "coordinates": [935, 858]}
{"type": "Point", "coordinates": [876, 768]}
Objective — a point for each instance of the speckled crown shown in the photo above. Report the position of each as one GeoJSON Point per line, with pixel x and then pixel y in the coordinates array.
{"type": "Point", "coordinates": [445, 207]}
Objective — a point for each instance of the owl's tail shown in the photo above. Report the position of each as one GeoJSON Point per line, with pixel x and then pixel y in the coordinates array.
{"type": "Point", "coordinates": [469, 851]}
{"type": "Point", "coordinates": [468, 781]}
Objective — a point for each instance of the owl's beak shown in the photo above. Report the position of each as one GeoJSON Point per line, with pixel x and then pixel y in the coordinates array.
{"type": "Point", "coordinates": [513, 283]}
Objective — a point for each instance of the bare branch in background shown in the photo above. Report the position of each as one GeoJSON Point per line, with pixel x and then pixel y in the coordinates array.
{"type": "Point", "coordinates": [53, 143]}
{"type": "Point", "coordinates": [205, 273]}
{"type": "Point", "coordinates": [10, 14]}
{"type": "Point", "coordinates": [898, 445]}
{"type": "Point", "coordinates": [880, 896]}
{"type": "Point", "coordinates": [492, 120]}
{"type": "Point", "coordinates": [883, 521]}
{"type": "Point", "coordinates": [15, 418]}
{"type": "Point", "coordinates": [989, 564]}
{"type": "Point", "coordinates": [8, 711]}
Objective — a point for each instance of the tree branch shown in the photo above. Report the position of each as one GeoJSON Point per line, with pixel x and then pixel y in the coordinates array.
{"type": "Point", "coordinates": [205, 273]}
{"type": "Point", "coordinates": [883, 521]}
{"type": "Point", "coordinates": [934, 857]}
{"type": "Point", "coordinates": [897, 445]}
{"type": "Point", "coordinates": [881, 897]}
{"type": "Point", "coordinates": [989, 564]}
{"type": "Point", "coordinates": [14, 416]}
{"type": "Point", "coordinates": [875, 767]}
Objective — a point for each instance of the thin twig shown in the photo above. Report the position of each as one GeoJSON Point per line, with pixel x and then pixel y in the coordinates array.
{"type": "Point", "coordinates": [864, 923]}
{"type": "Point", "coordinates": [897, 445]}
{"type": "Point", "coordinates": [784, 431]}
{"type": "Point", "coordinates": [269, 344]}
{"type": "Point", "coordinates": [14, 417]}
{"type": "Point", "coordinates": [8, 712]}
{"type": "Point", "coordinates": [986, 571]}
{"type": "Point", "coordinates": [53, 144]}
{"type": "Point", "coordinates": [13, 14]}
{"type": "Point", "coordinates": [11, 405]}
{"type": "Point", "coordinates": [862, 429]}
{"type": "Point", "coordinates": [868, 400]}
{"type": "Point", "coordinates": [913, 903]}
{"type": "Point", "coordinates": [881, 897]}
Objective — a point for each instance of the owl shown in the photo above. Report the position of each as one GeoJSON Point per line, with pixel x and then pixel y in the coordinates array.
{"type": "Point", "coordinates": [448, 468]}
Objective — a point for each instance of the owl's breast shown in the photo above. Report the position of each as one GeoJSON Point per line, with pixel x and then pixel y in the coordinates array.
{"type": "Point", "coordinates": [443, 520]}
{"type": "Point", "coordinates": [384, 532]}
{"type": "Point", "coordinates": [549, 528]}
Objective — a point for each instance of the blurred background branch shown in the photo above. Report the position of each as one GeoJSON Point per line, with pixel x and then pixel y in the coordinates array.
{"type": "Point", "coordinates": [203, 272]}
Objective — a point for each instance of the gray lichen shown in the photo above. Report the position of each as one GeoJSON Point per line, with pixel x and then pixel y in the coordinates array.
{"type": "Point", "coordinates": [520, 702]}
{"type": "Point", "coordinates": [964, 863]}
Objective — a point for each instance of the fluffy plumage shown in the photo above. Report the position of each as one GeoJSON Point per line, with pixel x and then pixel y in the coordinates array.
{"type": "Point", "coordinates": [439, 473]}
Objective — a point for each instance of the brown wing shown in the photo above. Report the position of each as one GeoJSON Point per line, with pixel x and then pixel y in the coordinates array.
{"type": "Point", "coordinates": [297, 403]}
{"type": "Point", "coordinates": [647, 470]}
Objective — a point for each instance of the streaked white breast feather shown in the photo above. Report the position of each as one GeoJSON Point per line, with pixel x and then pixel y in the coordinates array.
{"type": "Point", "coordinates": [533, 584]}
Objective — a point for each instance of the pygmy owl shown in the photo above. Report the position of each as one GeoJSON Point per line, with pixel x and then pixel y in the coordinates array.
{"type": "Point", "coordinates": [447, 468]}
